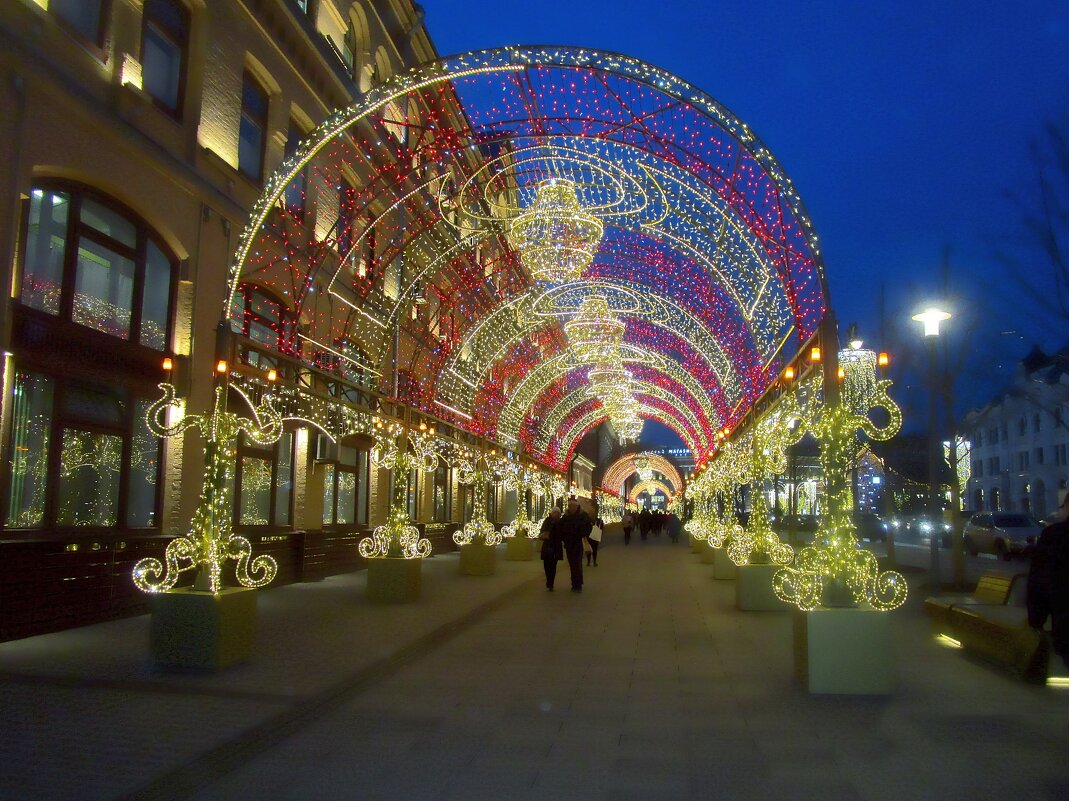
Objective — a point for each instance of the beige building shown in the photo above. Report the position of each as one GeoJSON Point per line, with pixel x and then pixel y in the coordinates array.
{"type": "Point", "coordinates": [138, 136]}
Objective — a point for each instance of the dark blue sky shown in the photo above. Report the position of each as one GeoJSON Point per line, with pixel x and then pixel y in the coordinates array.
{"type": "Point", "coordinates": [901, 123]}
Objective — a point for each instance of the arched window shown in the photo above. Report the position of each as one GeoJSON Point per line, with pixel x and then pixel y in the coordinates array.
{"type": "Point", "coordinates": [89, 260]}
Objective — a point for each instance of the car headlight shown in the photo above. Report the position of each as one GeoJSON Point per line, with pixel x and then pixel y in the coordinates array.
{"type": "Point", "coordinates": [926, 527]}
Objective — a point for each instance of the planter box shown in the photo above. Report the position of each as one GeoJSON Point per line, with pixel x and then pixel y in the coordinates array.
{"type": "Point", "coordinates": [844, 651]}
{"type": "Point", "coordinates": [195, 630]}
{"type": "Point", "coordinates": [707, 553]}
{"type": "Point", "coordinates": [477, 560]}
{"type": "Point", "coordinates": [520, 549]}
{"type": "Point", "coordinates": [723, 568]}
{"type": "Point", "coordinates": [394, 580]}
{"type": "Point", "coordinates": [753, 589]}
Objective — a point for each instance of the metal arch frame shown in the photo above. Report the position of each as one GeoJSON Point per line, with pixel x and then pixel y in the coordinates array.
{"type": "Point", "coordinates": [645, 486]}
{"type": "Point", "coordinates": [619, 471]}
{"type": "Point", "coordinates": [517, 59]}
{"type": "Point", "coordinates": [574, 399]}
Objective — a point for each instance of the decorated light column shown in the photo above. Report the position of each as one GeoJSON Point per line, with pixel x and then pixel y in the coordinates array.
{"type": "Point", "coordinates": [210, 541]}
{"type": "Point", "coordinates": [399, 450]}
{"type": "Point", "coordinates": [835, 570]}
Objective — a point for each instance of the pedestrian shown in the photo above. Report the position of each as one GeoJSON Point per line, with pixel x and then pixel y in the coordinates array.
{"type": "Point", "coordinates": [574, 527]}
{"type": "Point", "coordinates": [1048, 581]}
{"type": "Point", "coordinates": [595, 540]}
{"type": "Point", "coordinates": [628, 523]}
{"type": "Point", "coordinates": [552, 549]}
{"type": "Point", "coordinates": [644, 522]}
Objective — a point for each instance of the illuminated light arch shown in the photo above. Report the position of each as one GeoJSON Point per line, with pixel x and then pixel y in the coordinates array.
{"type": "Point", "coordinates": [563, 447]}
{"type": "Point", "coordinates": [650, 487]}
{"type": "Point", "coordinates": [624, 467]}
{"type": "Point", "coordinates": [698, 217]}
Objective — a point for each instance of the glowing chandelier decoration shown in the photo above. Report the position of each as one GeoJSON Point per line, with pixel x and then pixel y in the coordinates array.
{"type": "Point", "coordinates": [594, 333]}
{"type": "Point", "coordinates": [399, 450]}
{"type": "Point", "coordinates": [210, 542]}
{"type": "Point", "coordinates": [555, 237]}
{"type": "Point", "coordinates": [642, 466]}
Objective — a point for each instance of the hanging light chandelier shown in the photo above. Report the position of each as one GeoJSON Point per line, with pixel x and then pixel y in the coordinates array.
{"type": "Point", "coordinates": [595, 333]}
{"type": "Point", "coordinates": [555, 237]}
{"type": "Point", "coordinates": [642, 466]}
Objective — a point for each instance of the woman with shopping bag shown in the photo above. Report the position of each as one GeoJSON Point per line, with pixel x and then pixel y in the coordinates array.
{"type": "Point", "coordinates": [595, 540]}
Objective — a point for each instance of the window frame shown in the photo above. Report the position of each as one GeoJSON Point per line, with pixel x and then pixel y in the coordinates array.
{"type": "Point", "coordinates": [361, 508]}
{"type": "Point", "coordinates": [183, 47]}
{"type": "Point", "coordinates": [248, 78]}
{"type": "Point", "coordinates": [60, 422]}
{"type": "Point", "coordinates": [246, 447]}
{"type": "Point", "coordinates": [75, 230]}
{"type": "Point", "coordinates": [99, 44]}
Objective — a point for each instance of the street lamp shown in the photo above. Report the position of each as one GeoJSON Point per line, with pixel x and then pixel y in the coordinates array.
{"type": "Point", "coordinates": [930, 318]}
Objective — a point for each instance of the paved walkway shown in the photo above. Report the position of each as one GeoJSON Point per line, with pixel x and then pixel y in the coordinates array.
{"type": "Point", "coordinates": [648, 685]}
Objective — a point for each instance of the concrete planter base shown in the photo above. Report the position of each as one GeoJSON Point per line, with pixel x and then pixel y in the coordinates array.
{"type": "Point", "coordinates": [753, 589]}
{"type": "Point", "coordinates": [706, 553]}
{"type": "Point", "coordinates": [844, 651]}
{"type": "Point", "coordinates": [393, 580]}
{"type": "Point", "coordinates": [477, 559]}
{"type": "Point", "coordinates": [723, 568]}
{"type": "Point", "coordinates": [194, 630]}
{"type": "Point", "coordinates": [520, 549]}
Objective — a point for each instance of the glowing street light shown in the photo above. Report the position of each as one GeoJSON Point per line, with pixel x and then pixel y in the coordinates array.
{"type": "Point", "coordinates": [931, 318]}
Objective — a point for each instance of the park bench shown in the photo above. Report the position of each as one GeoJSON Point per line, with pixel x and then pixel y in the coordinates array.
{"type": "Point", "coordinates": [992, 624]}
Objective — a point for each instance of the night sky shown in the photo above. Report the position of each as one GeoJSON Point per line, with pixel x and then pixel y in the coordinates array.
{"type": "Point", "coordinates": [902, 124]}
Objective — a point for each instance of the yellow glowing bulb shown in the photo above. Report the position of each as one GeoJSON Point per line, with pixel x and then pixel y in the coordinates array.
{"type": "Point", "coordinates": [168, 363]}
{"type": "Point", "coordinates": [221, 366]}
{"type": "Point", "coordinates": [272, 375]}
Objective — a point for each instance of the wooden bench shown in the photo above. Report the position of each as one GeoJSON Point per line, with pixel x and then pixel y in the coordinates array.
{"type": "Point", "coordinates": [993, 589]}
{"type": "Point", "coordinates": [992, 624]}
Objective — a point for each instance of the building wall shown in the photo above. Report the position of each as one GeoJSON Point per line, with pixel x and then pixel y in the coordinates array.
{"type": "Point", "coordinates": [72, 111]}
{"type": "Point", "coordinates": [1019, 448]}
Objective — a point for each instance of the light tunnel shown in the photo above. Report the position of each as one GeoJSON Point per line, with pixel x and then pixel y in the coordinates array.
{"type": "Point", "coordinates": [410, 282]}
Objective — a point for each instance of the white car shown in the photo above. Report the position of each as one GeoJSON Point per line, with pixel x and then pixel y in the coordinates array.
{"type": "Point", "coordinates": [1002, 533]}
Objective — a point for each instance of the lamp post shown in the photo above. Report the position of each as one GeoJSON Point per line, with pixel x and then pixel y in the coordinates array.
{"type": "Point", "coordinates": [930, 318]}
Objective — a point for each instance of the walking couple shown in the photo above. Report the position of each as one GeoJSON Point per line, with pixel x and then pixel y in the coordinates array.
{"type": "Point", "coordinates": [562, 535]}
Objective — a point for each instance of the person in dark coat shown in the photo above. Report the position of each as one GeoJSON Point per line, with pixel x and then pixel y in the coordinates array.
{"type": "Point", "coordinates": [552, 549]}
{"type": "Point", "coordinates": [628, 523]}
{"type": "Point", "coordinates": [574, 527]}
{"type": "Point", "coordinates": [1048, 582]}
{"type": "Point", "coordinates": [645, 520]}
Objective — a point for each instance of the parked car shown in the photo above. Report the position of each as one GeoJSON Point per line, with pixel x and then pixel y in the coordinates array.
{"type": "Point", "coordinates": [870, 526]}
{"type": "Point", "coordinates": [1004, 533]}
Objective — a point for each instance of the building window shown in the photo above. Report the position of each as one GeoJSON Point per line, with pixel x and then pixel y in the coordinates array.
{"type": "Point", "coordinates": [1039, 456]}
{"type": "Point", "coordinates": [442, 493]}
{"type": "Point", "coordinates": [978, 468]}
{"type": "Point", "coordinates": [252, 135]}
{"type": "Point", "coordinates": [302, 5]}
{"type": "Point", "coordinates": [1036, 423]}
{"type": "Point", "coordinates": [1058, 416]}
{"type": "Point", "coordinates": [92, 262]}
{"type": "Point", "coordinates": [345, 485]}
{"type": "Point", "coordinates": [1022, 460]}
{"type": "Point", "coordinates": [1022, 426]}
{"type": "Point", "coordinates": [1060, 455]}
{"type": "Point", "coordinates": [84, 17]}
{"type": "Point", "coordinates": [297, 188]}
{"type": "Point", "coordinates": [993, 435]}
{"type": "Point", "coordinates": [996, 500]}
{"type": "Point", "coordinates": [80, 456]}
{"type": "Point", "coordinates": [264, 489]}
{"type": "Point", "coordinates": [265, 320]}
{"type": "Point", "coordinates": [1002, 432]}
{"type": "Point", "coordinates": [979, 439]}
{"type": "Point", "coordinates": [164, 48]}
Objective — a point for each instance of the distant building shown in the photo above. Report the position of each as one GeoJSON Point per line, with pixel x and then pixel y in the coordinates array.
{"type": "Point", "coordinates": [1021, 438]}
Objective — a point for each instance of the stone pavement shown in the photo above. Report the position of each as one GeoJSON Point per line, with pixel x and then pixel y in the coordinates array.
{"type": "Point", "coordinates": [648, 685]}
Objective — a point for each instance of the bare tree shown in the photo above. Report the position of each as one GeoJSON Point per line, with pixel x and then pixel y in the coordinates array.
{"type": "Point", "coordinates": [1038, 254]}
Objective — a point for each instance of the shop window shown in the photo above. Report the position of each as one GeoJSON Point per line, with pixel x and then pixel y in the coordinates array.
{"type": "Point", "coordinates": [252, 133]}
{"type": "Point", "coordinates": [84, 17]}
{"type": "Point", "coordinates": [164, 48]}
{"type": "Point", "coordinates": [442, 493]}
{"type": "Point", "coordinates": [345, 485]}
{"type": "Point", "coordinates": [94, 263]}
{"type": "Point", "coordinates": [79, 456]}
{"type": "Point", "coordinates": [264, 487]}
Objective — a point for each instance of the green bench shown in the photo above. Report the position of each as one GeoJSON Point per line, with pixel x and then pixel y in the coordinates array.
{"type": "Point", "coordinates": [992, 624]}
